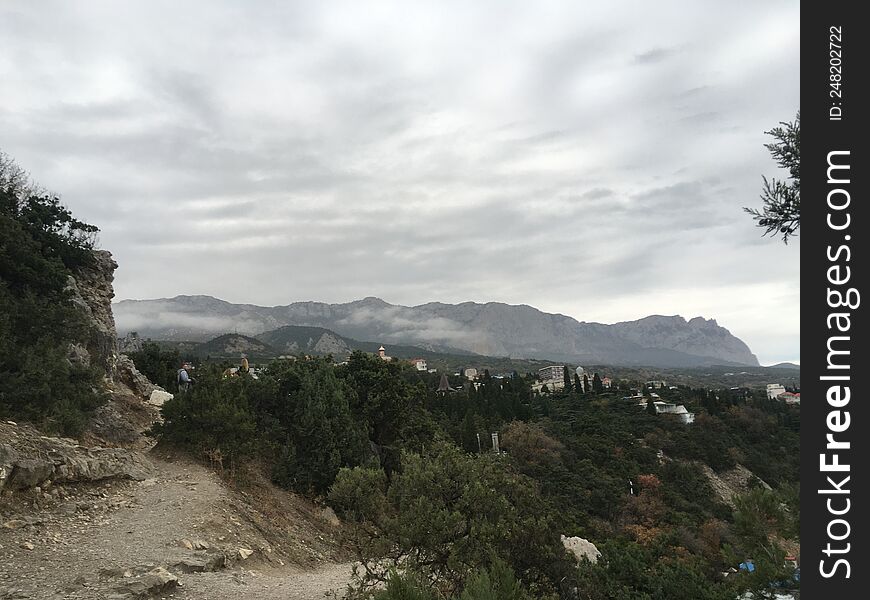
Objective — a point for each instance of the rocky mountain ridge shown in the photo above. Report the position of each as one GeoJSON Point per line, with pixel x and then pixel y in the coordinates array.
{"type": "Point", "coordinates": [491, 329]}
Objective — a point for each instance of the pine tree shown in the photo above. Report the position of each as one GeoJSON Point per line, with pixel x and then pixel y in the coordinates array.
{"type": "Point", "coordinates": [566, 377]}
{"type": "Point", "coordinates": [324, 435]}
{"type": "Point", "coordinates": [586, 387]}
{"type": "Point", "coordinates": [578, 385]}
{"type": "Point", "coordinates": [781, 212]}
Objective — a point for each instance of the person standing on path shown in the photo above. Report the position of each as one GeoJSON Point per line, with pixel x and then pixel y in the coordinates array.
{"type": "Point", "coordinates": [185, 381]}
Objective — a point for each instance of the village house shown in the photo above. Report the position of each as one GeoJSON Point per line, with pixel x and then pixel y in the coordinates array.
{"type": "Point", "coordinates": [790, 397]}
{"type": "Point", "coordinates": [470, 373]}
{"type": "Point", "coordinates": [444, 385]}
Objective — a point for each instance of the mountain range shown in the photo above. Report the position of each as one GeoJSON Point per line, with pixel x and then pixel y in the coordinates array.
{"type": "Point", "coordinates": [491, 329]}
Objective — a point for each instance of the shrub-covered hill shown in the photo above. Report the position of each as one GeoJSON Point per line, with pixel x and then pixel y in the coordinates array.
{"type": "Point", "coordinates": [414, 470]}
{"type": "Point", "coordinates": [46, 374]}
{"type": "Point", "coordinates": [234, 345]}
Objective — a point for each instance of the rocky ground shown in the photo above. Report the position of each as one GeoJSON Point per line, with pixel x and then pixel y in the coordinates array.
{"type": "Point", "coordinates": [178, 532]}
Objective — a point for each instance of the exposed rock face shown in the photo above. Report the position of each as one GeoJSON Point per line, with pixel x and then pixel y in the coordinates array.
{"type": "Point", "coordinates": [130, 343]}
{"type": "Point", "coordinates": [237, 344]}
{"type": "Point", "coordinates": [127, 373]}
{"type": "Point", "coordinates": [581, 548]}
{"type": "Point", "coordinates": [92, 292]}
{"type": "Point", "coordinates": [126, 415]}
{"type": "Point", "coordinates": [696, 337]}
{"type": "Point", "coordinates": [731, 483]}
{"type": "Point", "coordinates": [331, 344]}
{"type": "Point", "coordinates": [201, 562]}
{"type": "Point", "coordinates": [154, 582]}
{"type": "Point", "coordinates": [306, 340]}
{"type": "Point", "coordinates": [492, 329]}
{"type": "Point", "coordinates": [27, 459]}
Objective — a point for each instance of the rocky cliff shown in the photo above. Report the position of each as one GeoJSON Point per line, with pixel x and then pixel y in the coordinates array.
{"type": "Point", "coordinates": [28, 460]}
{"type": "Point", "coordinates": [493, 329]}
{"type": "Point", "coordinates": [92, 292]}
{"type": "Point", "coordinates": [127, 413]}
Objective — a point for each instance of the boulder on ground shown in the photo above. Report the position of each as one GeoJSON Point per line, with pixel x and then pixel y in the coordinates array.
{"type": "Point", "coordinates": [581, 548]}
{"type": "Point", "coordinates": [8, 456]}
{"type": "Point", "coordinates": [156, 581]}
{"type": "Point", "coordinates": [158, 397]}
{"type": "Point", "coordinates": [29, 472]}
{"type": "Point", "coordinates": [328, 515]}
{"type": "Point", "coordinates": [201, 562]}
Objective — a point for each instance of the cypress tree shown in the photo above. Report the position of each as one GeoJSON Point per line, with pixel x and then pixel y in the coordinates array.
{"type": "Point", "coordinates": [597, 386]}
{"type": "Point", "coordinates": [469, 432]}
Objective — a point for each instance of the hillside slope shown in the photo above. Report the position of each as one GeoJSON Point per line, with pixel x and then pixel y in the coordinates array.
{"type": "Point", "coordinates": [93, 540]}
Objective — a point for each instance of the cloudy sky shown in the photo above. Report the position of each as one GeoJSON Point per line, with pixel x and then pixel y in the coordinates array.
{"type": "Point", "coordinates": [585, 158]}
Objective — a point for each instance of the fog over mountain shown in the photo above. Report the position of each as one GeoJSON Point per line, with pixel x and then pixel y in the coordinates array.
{"type": "Point", "coordinates": [492, 329]}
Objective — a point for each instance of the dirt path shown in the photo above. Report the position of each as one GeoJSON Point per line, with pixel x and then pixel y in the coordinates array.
{"type": "Point", "coordinates": [92, 540]}
{"type": "Point", "coordinates": [287, 585]}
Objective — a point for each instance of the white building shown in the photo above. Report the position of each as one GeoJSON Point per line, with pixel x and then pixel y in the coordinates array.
{"type": "Point", "coordinates": [419, 364]}
{"type": "Point", "coordinates": [655, 384]}
{"type": "Point", "coordinates": [774, 390]}
{"type": "Point", "coordinates": [670, 408]}
{"type": "Point", "coordinates": [553, 373]}
{"type": "Point", "coordinates": [552, 377]}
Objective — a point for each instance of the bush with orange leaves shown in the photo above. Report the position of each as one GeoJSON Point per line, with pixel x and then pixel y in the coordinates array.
{"type": "Point", "coordinates": [642, 513]}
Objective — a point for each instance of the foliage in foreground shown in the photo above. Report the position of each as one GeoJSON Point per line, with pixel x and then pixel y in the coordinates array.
{"type": "Point", "coordinates": [497, 582]}
{"type": "Point", "coordinates": [781, 212]}
{"type": "Point", "coordinates": [41, 246]}
{"type": "Point", "coordinates": [448, 513]}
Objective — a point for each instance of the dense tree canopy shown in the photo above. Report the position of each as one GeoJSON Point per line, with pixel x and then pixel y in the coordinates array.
{"type": "Point", "coordinates": [402, 462]}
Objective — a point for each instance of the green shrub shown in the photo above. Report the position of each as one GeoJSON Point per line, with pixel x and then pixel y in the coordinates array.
{"type": "Point", "coordinates": [41, 245]}
{"type": "Point", "coordinates": [404, 587]}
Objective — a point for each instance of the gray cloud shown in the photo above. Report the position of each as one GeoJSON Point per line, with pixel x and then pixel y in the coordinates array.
{"type": "Point", "coordinates": [587, 160]}
{"type": "Point", "coordinates": [653, 56]}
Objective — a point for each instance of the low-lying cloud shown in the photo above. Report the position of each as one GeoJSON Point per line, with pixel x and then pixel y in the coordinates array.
{"type": "Point", "coordinates": [588, 160]}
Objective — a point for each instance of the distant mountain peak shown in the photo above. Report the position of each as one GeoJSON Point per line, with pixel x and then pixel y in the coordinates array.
{"type": "Point", "coordinates": [701, 321]}
{"type": "Point", "coordinates": [492, 329]}
{"type": "Point", "coordinates": [372, 300]}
